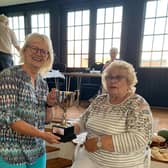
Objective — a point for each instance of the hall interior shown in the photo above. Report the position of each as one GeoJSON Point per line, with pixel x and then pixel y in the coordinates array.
{"type": "Point", "coordinates": [82, 33]}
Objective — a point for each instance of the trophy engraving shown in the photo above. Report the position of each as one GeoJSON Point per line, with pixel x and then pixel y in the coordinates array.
{"type": "Point", "coordinates": [65, 99]}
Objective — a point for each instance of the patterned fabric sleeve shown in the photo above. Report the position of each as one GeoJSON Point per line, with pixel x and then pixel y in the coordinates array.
{"type": "Point", "coordinates": [84, 117]}
{"type": "Point", "coordinates": [8, 99]}
{"type": "Point", "coordinates": [139, 129]}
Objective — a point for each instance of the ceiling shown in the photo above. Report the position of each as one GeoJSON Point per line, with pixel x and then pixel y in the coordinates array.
{"type": "Point", "coordinates": [16, 2]}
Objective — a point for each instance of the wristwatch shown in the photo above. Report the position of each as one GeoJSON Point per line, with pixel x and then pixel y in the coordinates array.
{"type": "Point", "coordinates": [99, 142]}
{"type": "Point", "coordinates": [49, 106]}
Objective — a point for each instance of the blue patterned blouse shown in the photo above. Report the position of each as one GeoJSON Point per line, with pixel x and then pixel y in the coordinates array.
{"type": "Point", "coordinates": [19, 100]}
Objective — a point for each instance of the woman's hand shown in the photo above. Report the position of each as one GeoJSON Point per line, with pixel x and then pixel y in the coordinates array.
{"type": "Point", "coordinates": [51, 97]}
{"type": "Point", "coordinates": [91, 144]}
{"type": "Point", "coordinates": [76, 128]}
{"type": "Point", "coordinates": [106, 140]}
{"type": "Point", "coordinates": [107, 143]}
{"type": "Point", "coordinates": [26, 129]}
{"type": "Point", "coordinates": [50, 137]}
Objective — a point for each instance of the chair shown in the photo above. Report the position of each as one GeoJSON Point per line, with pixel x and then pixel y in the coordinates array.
{"type": "Point", "coordinates": [59, 66]}
{"type": "Point", "coordinates": [60, 82]}
{"type": "Point", "coordinates": [97, 66]}
{"type": "Point", "coordinates": [90, 86]}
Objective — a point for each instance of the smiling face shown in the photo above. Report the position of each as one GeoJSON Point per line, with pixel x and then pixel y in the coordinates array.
{"type": "Point", "coordinates": [36, 53]}
{"type": "Point", "coordinates": [116, 82]}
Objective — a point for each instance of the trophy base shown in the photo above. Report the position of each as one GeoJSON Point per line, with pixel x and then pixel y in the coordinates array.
{"type": "Point", "coordinates": [66, 133]}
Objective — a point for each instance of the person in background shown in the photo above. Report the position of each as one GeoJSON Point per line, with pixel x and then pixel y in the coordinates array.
{"type": "Point", "coordinates": [7, 39]}
{"type": "Point", "coordinates": [25, 106]}
{"type": "Point", "coordinates": [113, 55]}
{"type": "Point", "coordinates": [119, 124]}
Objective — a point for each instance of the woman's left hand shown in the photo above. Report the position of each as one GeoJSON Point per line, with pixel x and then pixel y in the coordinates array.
{"type": "Point", "coordinates": [107, 143]}
{"type": "Point", "coordinates": [51, 97]}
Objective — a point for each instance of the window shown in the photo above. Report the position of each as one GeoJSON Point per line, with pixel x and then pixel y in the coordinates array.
{"type": "Point", "coordinates": [16, 23]}
{"type": "Point", "coordinates": [155, 38]}
{"type": "Point", "coordinates": [108, 31]}
{"type": "Point", "coordinates": [78, 38]}
{"type": "Point", "coordinates": [41, 23]}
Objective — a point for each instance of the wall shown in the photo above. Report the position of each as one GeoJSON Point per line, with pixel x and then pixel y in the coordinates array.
{"type": "Point", "coordinates": [152, 82]}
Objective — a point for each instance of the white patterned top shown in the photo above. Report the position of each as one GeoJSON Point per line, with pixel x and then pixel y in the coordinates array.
{"type": "Point", "coordinates": [129, 123]}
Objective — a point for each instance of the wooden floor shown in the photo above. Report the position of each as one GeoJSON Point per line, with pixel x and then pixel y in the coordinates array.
{"type": "Point", "coordinates": [160, 117]}
{"type": "Point", "coordinates": [58, 163]}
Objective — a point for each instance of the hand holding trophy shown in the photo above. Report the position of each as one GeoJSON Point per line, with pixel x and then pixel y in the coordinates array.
{"type": "Point", "coordinates": [65, 130]}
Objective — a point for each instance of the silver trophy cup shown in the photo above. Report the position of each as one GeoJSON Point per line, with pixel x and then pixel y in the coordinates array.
{"type": "Point", "coordinates": [65, 130]}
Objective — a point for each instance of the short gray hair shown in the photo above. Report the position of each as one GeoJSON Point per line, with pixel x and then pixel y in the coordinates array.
{"type": "Point", "coordinates": [3, 18]}
{"type": "Point", "coordinates": [32, 37]}
{"type": "Point", "coordinates": [114, 49]}
{"type": "Point", "coordinates": [121, 65]}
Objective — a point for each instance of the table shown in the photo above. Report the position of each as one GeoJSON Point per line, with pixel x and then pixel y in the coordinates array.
{"type": "Point", "coordinates": [155, 164]}
{"type": "Point", "coordinates": [56, 74]}
{"type": "Point", "coordinates": [78, 75]}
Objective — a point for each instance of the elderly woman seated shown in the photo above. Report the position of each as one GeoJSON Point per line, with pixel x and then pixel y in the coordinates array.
{"type": "Point", "coordinates": [119, 124]}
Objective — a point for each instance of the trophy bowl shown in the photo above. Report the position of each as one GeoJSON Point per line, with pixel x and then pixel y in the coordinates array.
{"type": "Point", "coordinates": [65, 130]}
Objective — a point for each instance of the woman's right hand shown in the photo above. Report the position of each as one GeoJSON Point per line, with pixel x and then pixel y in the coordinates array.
{"type": "Point", "coordinates": [76, 128]}
{"type": "Point", "coordinates": [91, 144]}
{"type": "Point", "coordinates": [50, 137]}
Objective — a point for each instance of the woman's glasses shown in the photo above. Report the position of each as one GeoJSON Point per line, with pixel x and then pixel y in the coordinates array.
{"type": "Point", "coordinates": [36, 50]}
{"type": "Point", "coordinates": [115, 78]}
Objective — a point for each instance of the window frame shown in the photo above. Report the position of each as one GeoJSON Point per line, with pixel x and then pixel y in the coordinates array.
{"type": "Point", "coordinates": [112, 37]}
{"type": "Point", "coordinates": [74, 39]}
{"type": "Point", "coordinates": [38, 13]}
{"type": "Point", "coordinates": [153, 35]}
{"type": "Point", "coordinates": [92, 39]}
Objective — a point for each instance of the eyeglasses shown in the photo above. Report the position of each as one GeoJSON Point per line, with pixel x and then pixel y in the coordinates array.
{"type": "Point", "coordinates": [36, 50]}
{"type": "Point", "coordinates": [115, 78]}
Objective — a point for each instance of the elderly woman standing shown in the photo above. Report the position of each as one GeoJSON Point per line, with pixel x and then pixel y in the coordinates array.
{"type": "Point", "coordinates": [25, 105]}
{"type": "Point", "coordinates": [7, 39]}
{"type": "Point", "coordinates": [119, 123]}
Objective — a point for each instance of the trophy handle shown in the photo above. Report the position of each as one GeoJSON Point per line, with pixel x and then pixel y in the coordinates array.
{"type": "Point", "coordinates": [76, 97]}
{"type": "Point", "coordinates": [64, 121]}
{"type": "Point", "coordinates": [67, 99]}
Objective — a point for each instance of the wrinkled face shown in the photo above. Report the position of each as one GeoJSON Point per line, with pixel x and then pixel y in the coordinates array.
{"type": "Point", "coordinates": [116, 82]}
{"type": "Point", "coordinates": [36, 53]}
